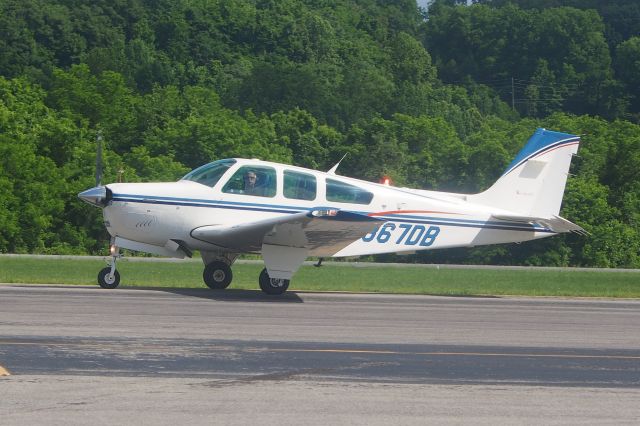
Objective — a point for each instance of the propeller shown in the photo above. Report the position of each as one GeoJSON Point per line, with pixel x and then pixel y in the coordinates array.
{"type": "Point", "coordinates": [99, 195]}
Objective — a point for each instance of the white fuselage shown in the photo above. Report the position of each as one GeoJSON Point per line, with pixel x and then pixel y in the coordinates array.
{"type": "Point", "coordinates": [156, 213]}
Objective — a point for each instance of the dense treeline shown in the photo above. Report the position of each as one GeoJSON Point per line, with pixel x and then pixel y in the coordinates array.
{"type": "Point", "coordinates": [416, 95]}
{"type": "Point", "coordinates": [578, 56]}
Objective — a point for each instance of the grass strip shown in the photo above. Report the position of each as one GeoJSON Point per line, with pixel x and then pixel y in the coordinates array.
{"type": "Point", "coordinates": [392, 279]}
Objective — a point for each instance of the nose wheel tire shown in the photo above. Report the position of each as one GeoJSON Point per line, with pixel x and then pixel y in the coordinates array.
{"type": "Point", "coordinates": [217, 275]}
{"type": "Point", "coordinates": [106, 280]}
{"type": "Point", "coordinates": [272, 285]}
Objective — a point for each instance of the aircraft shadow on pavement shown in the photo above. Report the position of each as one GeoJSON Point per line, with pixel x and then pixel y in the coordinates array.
{"type": "Point", "coordinates": [234, 295]}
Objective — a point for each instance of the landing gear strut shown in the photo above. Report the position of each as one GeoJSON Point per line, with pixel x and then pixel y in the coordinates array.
{"type": "Point", "coordinates": [272, 285]}
{"type": "Point", "coordinates": [108, 277]}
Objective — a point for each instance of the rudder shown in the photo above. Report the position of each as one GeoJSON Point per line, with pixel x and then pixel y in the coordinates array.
{"type": "Point", "coordinates": [533, 184]}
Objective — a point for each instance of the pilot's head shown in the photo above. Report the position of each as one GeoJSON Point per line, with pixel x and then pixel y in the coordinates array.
{"type": "Point", "coordinates": [250, 178]}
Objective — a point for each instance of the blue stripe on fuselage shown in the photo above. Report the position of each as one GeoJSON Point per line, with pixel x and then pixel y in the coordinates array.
{"type": "Point", "coordinates": [275, 208]}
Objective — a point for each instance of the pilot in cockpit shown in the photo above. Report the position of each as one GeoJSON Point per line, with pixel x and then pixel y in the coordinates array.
{"type": "Point", "coordinates": [250, 184]}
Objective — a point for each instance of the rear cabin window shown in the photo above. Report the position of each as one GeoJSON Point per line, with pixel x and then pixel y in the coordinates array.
{"type": "Point", "coordinates": [209, 174]}
{"type": "Point", "coordinates": [341, 192]}
{"type": "Point", "coordinates": [259, 181]}
{"type": "Point", "coordinates": [299, 186]}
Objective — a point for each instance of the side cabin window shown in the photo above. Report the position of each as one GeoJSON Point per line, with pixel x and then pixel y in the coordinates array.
{"type": "Point", "coordinates": [209, 174]}
{"type": "Point", "coordinates": [299, 186]}
{"type": "Point", "coordinates": [341, 192]}
{"type": "Point", "coordinates": [259, 181]}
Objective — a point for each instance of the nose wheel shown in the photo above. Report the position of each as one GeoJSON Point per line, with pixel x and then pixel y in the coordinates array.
{"type": "Point", "coordinates": [108, 277]}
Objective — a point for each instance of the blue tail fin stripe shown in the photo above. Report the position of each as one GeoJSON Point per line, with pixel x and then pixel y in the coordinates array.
{"type": "Point", "coordinates": [541, 141]}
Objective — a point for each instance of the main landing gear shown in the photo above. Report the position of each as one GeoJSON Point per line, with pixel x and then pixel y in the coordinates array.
{"type": "Point", "coordinates": [217, 274]}
{"type": "Point", "coordinates": [108, 277]}
{"type": "Point", "coordinates": [272, 285]}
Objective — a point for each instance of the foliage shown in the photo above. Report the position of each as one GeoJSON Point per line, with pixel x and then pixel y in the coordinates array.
{"type": "Point", "coordinates": [171, 85]}
{"type": "Point", "coordinates": [558, 57]}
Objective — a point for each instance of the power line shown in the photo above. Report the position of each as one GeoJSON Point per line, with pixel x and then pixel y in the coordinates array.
{"type": "Point", "coordinates": [549, 93]}
{"type": "Point", "coordinates": [546, 101]}
{"type": "Point", "coordinates": [520, 83]}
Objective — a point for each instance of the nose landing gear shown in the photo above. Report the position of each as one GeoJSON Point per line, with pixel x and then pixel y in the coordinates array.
{"type": "Point", "coordinates": [108, 277]}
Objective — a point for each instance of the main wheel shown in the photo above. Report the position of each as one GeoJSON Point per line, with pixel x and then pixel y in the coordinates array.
{"type": "Point", "coordinates": [217, 275]}
{"type": "Point", "coordinates": [272, 285]}
{"type": "Point", "coordinates": [106, 280]}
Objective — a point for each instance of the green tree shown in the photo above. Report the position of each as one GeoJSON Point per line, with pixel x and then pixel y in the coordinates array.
{"type": "Point", "coordinates": [493, 45]}
{"type": "Point", "coordinates": [312, 145]}
{"type": "Point", "coordinates": [628, 69]}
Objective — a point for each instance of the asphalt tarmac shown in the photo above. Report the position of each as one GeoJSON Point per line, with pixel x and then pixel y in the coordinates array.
{"type": "Point", "coordinates": [132, 356]}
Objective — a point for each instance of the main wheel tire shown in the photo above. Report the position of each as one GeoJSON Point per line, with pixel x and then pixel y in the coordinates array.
{"type": "Point", "coordinates": [272, 285]}
{"type": "Point", "coordinates": [217, 275]}
{"type": "Point", "coordinates": [107, 281]}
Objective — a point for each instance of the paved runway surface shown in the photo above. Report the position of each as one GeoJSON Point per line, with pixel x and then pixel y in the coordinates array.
{"type": "Point", "coordinates": [197, 356]}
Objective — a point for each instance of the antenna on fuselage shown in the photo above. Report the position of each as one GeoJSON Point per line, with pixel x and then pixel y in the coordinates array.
{"type": "Point", "coordinates": [332, 171]}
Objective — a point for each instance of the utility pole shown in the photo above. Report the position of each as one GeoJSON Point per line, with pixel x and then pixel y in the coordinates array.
{"type": "Point", "coordinates": [513, 96]}
{"type": "Point", "coordinates": [99, 158]}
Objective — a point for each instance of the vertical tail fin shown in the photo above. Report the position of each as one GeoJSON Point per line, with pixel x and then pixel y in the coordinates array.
{"type": "Point", "coordinates": [534, 182]}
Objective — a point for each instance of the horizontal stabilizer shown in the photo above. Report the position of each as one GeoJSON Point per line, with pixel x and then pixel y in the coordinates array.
{"type": "Point", "coordinates": [556, 223]}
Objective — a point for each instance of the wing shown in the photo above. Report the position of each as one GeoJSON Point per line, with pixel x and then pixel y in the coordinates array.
{"type": "Point", "coordinates": [322, 232]}
{"type": "Point", "coordinates": [556, 223]}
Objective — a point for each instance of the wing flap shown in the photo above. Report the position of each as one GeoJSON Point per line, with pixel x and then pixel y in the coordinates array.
{"type": "Point", "coordinates": [332, 230]}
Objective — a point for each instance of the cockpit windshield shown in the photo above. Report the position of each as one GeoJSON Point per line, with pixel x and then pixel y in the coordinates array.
{"type": "Point", "coordinates": [209, 174]}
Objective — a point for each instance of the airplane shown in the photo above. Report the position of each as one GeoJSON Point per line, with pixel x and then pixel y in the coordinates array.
{"type": "Point", "coordinates": [286, 213]}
